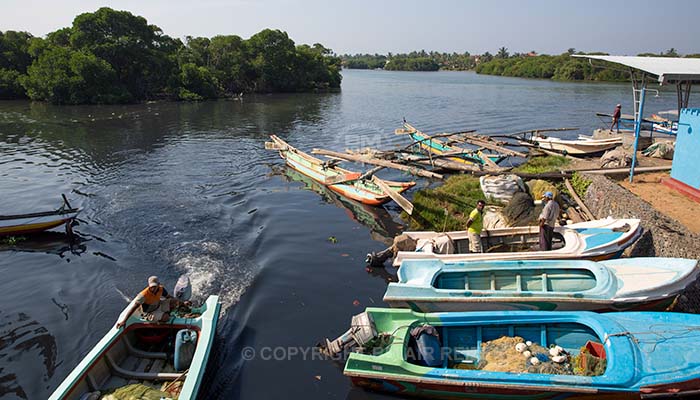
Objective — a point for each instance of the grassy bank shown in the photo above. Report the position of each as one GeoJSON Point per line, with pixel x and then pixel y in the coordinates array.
{"type": "Point", "coordinates": [459, 194]}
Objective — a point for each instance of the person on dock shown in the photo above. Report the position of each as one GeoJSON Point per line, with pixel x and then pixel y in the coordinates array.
{"type": "Point", "coordinates": [548, 217]}
{"type": "Point", "coordinates": [616, 118]}
{"type": "Point", "coordinates": [155, 303]}
{"type": "Point", "coordinates": [475, 225]}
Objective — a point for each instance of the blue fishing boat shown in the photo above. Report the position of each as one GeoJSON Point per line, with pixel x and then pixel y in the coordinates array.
{"type": "Point", "coordinates": [562, 285]}
{"type": "Point", "coordinates": [626, 355]}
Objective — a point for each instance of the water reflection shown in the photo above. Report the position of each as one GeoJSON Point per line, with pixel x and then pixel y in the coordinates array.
{"type": "Point", "coordinates": [24, 345]}
{"type": "Point", "coordinates": [382, 225]}
{"type": "Point", "coordinates": [49, 242]}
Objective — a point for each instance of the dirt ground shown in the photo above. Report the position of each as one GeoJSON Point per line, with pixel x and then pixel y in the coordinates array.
{"type": "Point", "coordinates": [648, 186]}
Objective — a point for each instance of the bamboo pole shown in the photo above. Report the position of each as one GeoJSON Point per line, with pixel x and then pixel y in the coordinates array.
{"type": "Point", "coordinates": [376, 161]}
{"type": "Point", "coordinates": [578, 200]}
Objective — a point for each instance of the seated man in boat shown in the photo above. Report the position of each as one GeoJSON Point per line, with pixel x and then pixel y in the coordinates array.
{"type": "Point", "coordinates": [155, 303]}
{"type": "Point", "coordinates": [475, 225]}
{"type": "Point", "coordinates": [547, 219]}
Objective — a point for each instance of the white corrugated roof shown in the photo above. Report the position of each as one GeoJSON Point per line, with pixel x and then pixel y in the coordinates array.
{"type": "Point", "coordinates": [668, 69]}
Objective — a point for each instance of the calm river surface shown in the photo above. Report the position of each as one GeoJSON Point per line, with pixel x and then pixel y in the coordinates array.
{"type": "Point", "coordinates": [173, 188]}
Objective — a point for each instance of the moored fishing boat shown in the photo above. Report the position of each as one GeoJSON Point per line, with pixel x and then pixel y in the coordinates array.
{"type": "Point", "coordinates": [354, 185]}
{"type": "Point", "coordinates": [584, 146]}
{"type": "Point", "coordinates": [166, 357]}
{"type": "Point", "coordinates": [593, 240]}
{"type": "Point", "coordinates": [562, 285]}
{"type": "Point", "coordinates": [22, 224]}
{"type": "Point", "coordinates": [438, 147]}
{"type": "Point", "coordinates": [626, 355]}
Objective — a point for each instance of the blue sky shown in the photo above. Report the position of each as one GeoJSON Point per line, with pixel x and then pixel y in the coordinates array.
{"type": "Point", "coordinates": [546, 26]}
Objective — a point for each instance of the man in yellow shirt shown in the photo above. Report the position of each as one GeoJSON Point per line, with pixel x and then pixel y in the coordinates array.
{"type": "Point", "coordinates": [475, 224]}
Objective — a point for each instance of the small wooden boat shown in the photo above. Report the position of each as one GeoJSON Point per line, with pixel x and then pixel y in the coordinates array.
{"type": "Point", "coordinates": [628, 355]}
{"type": "Point", "coordinates": [22, 224]}
{"type": "Point", "coordinates": [439, 147]}
{"type": "Point", "coordinates": [592, 240]}
{"type": "Point", "coordinates": [584, 146]}
{"type": "Point", "coordinates": [614, 285]}
{"type": "Point", "coordinates": [354, 185]}
{"type": "Point", "coordinates": [170, 357]}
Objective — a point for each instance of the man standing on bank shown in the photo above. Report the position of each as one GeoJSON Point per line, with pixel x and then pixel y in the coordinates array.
{"type": "Point", "coordinates": [616, 118]}
{"type": "Point", "coordinates": [475, 225]}
{"type": "Point", "coordinates": [548, 217]}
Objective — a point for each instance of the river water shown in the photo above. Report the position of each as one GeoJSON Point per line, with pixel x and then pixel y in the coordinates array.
{"type": "Point", "coordinates": [173, 188]}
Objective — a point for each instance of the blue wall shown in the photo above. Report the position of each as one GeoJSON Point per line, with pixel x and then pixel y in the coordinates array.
{"type": "Point", "coordinates": [686, 158]}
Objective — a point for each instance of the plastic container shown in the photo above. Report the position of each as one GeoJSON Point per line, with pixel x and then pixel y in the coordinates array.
{"type": "Point", "coordinates": [185, 345]}
{"type": "Point", "coordinates": [429, 350]}
{"type": "Point", "coordinates": [596, 349]}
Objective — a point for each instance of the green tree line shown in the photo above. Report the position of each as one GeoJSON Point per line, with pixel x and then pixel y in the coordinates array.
{"type": "Point", "coordinates": [413, 61]}
{"type": "Point", "coordinates": [528, 65]}
{"type": "Point", "coordinates": [111, 56]}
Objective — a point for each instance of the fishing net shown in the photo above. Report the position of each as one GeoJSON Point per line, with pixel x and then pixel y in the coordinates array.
{"type": "Point", "coordinates": [660, 150]}
{"type": "Point", "coordinates": [501, 355]}
{"type": "Point", "coordinates": [520, 211]}
{"type": "Point", "coordinates": [403, 243]}
{"type": "Point", "coordinates": [136, 391]}
{"type": "Point", "coordinates": [587, 364]}
{"type": "Point", "coordinates": [616, 158]}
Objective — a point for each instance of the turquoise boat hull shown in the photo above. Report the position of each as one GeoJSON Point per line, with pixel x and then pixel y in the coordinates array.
{"type": "Point", "coordinates": [103, 368]}
{"type": "Point", "coordinates": [562, 285]}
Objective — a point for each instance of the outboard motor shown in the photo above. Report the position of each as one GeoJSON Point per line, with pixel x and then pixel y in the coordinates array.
{"type": "Point", "coordinates": [361, 332]}
{"type": "Point", "coordinates": [183, 288]}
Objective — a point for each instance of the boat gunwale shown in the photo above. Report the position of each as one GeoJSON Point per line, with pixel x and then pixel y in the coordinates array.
{"type": "Point", "coordinates": [112, 337]}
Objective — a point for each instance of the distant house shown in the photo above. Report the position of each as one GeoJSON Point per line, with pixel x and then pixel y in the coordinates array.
{"type": "Point", "coordinates": [531, 54]}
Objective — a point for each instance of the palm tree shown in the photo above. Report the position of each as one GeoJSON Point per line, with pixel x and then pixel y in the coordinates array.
{"type": "Point", "coordinates": [502, 53]}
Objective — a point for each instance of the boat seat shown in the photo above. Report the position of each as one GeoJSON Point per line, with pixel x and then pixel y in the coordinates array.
{"type": "Point", "coordinates": [141, 353]}
{"type": "Point", "coordinates": [141, 376]}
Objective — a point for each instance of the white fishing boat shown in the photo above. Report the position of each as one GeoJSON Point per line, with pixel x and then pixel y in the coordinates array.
{"type": "Point", "coordinates": [625, 284]}
{"type": "Point", "coordinates": [583, 146]}
{"type": "Point", "coordinates": [593, 240]}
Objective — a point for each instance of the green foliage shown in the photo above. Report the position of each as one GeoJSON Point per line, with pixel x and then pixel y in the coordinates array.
{"type": "Point", "coordinates": [458, 195]}
{"type": "Point", "coordinates": [412, 64]}
{"type": "Point", "coordinates": [11, 85]}
{"type": "Point", "coordinates": [197, 83]}
{"type": "Point", "coordinates": [12, 240]}
{"type": "Point", "coordinates": [580, 184]}
{"type": "Point", "coordinates": [538, 165]}
{"type": "Point", "coordinates": [64, 76]}
{"type": "Point", "coordinates": [113, 56]}
{"type": "Point", "coordinates": [562, 67]}
{"type": "Point", "coordinates": [413, 61]}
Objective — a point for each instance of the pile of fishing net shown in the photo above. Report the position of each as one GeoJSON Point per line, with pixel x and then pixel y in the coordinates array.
{"type": "Point", "coordinates": [520, 211]}
{"type": "Point", "coordinates": [616, 158]}
{"type": "Point", "coordinates": [136, 391]}
{"type": "Point", "coordinates": [663, 150]}
{"type": "Point", "coordinates": [515, 354]}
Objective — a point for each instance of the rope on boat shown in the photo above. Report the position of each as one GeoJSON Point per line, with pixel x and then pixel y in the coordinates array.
{"type": "Point", "coordinates": [662, 335]}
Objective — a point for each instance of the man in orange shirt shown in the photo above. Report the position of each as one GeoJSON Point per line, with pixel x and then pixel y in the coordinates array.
{"type": "Point", "coordinates": [155, 303]}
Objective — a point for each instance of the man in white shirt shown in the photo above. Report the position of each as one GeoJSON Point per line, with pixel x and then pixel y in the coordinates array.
{"type": "Point", "coordinates": [548, 218]}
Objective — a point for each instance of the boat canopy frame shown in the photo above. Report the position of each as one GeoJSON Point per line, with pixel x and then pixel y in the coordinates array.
{"type": "Point", "coordinates": [681, 72]}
